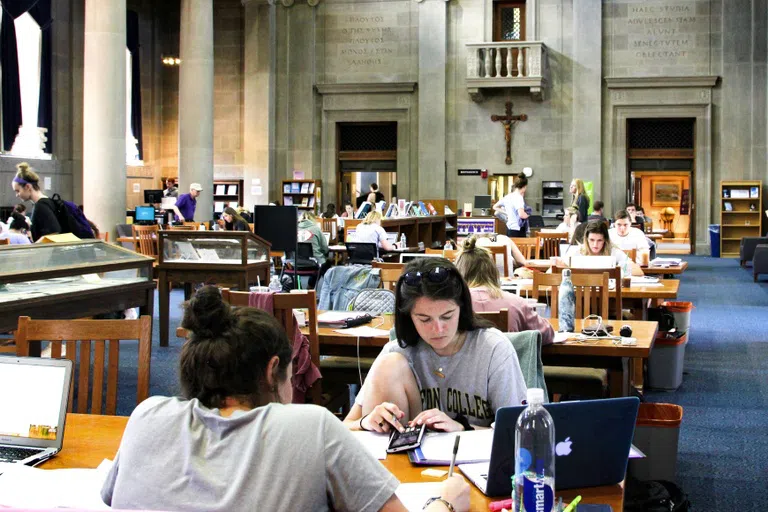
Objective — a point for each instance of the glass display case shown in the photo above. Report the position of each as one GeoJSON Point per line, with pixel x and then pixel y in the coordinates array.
{"type": "Point", "coordinates": [72, 280]}
{"type": "Point", "coordinates": [212, 247]}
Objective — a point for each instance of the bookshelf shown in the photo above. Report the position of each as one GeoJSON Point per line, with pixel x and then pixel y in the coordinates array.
{"type": "Point", "coordinates": [303, 194]}
{"type": "Point", "coordinates": [741, 214]}
{"type": "Point", "coordinates": [551, 202]}
{"type": "Point", "coordinates": [450, 218]}
{"type": "Point", "coordinates": [226, 193]}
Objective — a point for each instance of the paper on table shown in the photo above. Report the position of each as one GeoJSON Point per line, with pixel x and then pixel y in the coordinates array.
{"type": "Point", "coordinates": [363, 331]}
{"type": "Point", "coordinates": [413, 496]}
{"type": "Point", "coordinates": [635, 453]}
{"type": "Point", "coordinates": [475, 446]}
{"type": "Point", "coordinates": [562, 337]}
{"type": "Point", "coordinates": [331, 317]}
{"type": "Point", "coordinates": [71, 488]}
{"type": "Point", "coordinates": [375, 443]}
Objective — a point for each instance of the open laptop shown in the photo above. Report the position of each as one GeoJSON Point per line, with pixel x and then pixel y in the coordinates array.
{"type": "Point", "coordinates": [392, 237]}
{"type": "Point", "coordinates": [593, 440]}
{"type": "Point", "coordinates": [581, 261]}
{"type": "Point", "coordinates": [33, 407]}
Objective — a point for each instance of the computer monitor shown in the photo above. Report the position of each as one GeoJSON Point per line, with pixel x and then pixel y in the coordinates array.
{"type": "Point", "coordinates": [153, 196]}
{"type": "Point", "coordinates": [145, 214]}
{"type": "Point", "coordinates": [483, 202]}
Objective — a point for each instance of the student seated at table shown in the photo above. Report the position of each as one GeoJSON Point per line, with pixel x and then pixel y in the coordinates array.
{"type": "Point", "coordinates": [597, 242]}
{"type": "Point", "coordinates": [235, 442]}
{"type": "Point", "coordinates": [233, 221]}
{"type": "Point", "coordinates": [448, 368]}
{"type": "Point", "coordinates": [624, 236]}
{"type": "Point", "coordinates": [479, 271]}
{"type": "Point", "coordinates": [570, 221]}
{"type": "Point", "coordinates": [17, 233]}
{"type": "Point", "coordinates": [370, 231]}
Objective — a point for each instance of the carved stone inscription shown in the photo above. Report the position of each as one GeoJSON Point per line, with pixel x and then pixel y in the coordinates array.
{"type": "Point", "coordinates": [662, 37]}
{"type": "Point", "coordinates": [368, 38]}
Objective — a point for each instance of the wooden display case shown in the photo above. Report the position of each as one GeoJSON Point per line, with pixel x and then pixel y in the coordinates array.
{"type": "Point", "coordinates": [741, 214]}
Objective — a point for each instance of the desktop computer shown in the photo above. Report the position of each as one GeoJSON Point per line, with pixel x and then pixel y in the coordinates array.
{"type": "Point", "coordinates": [483, 203]}
{"type": "Point", "coordinates": [144, 215]}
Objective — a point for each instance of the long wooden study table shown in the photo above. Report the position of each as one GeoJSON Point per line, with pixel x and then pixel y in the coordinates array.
{"type": "Point", "coordinates": [89, 439]}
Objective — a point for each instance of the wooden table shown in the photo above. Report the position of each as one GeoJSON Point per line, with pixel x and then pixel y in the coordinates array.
{"type": "Point", "coordinates": [89, 439]}
{"type": "Point", "coordinates": [668, 290]}
{"type": "Point", "coordinates": [673, 270]}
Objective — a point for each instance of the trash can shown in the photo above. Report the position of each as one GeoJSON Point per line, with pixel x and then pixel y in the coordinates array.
{"type": "Point", "coordinates": [665, 364]}
{"type": "Point", "coordinates": [657, 432]}
{"type": "Point", "coordinates": [682, 313]}
{"type": "Point", "coordinates": [714, 240]}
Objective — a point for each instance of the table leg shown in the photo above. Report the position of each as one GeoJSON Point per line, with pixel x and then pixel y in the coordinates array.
{"type": "Point", "coordinates": [637, 374]}
{"type": "Point", "coordinates": [618, 385]}
{"type": "Point", "coordinates": [165, 306]}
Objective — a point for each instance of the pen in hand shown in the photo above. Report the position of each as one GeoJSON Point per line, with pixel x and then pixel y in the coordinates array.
{"type": "Point", "coordinates": [453, 457]}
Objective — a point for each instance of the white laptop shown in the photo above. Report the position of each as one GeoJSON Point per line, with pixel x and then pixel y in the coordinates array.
{"type": "Point", "coordinates": [581, 261]}
{"type": "Point", "coordinates": [33, 408]}
{"type": "Point", "coordinates": [392, 237]}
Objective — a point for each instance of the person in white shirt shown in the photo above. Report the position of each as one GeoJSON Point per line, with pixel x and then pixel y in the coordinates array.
{"type": "Point", "coordinates": [570, 221]}
{"type": "Point", "coordinates": [513, 205]}
{"type": "Point", "coordinates": [370, 231]}
{"type": "Point", "coordinates": [624, 236]}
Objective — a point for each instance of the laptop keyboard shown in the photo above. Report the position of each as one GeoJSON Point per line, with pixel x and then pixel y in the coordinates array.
{"type": "Point", "coordinates": [9, 454]}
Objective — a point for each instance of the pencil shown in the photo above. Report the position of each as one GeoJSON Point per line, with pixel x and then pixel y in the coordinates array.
{"type": "Point", "coordinates": [453, 458]}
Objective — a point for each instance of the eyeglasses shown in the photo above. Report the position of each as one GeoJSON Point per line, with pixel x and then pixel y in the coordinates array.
{"type": "Point", "coordinates": [436, 275]}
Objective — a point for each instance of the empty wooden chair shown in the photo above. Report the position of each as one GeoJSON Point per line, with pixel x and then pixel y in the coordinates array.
{"type": "Point", "coordinates": [105, 335]}
{"type": "Point", "coordinates": [529, 247]}
{"type": "Point", "coordinates": [331, 226]}
{"type": "Point", "coordinates": [549, 243]}
{"type": "Point", "coordinates": [615, 274]}
{"type": "Point", "coordinates": [145, 240]}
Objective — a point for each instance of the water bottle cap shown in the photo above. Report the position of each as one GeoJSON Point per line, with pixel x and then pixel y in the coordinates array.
{"type": "Point", "coordinates": [535, 396]}
{"type": "Point", "coordinates": [566, 272]}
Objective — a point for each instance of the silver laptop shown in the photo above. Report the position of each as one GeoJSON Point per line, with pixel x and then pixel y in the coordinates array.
{"type": "Point", "coordinates": [581, 261]}
{"type": "Point", "coordinates": [33, 407]}
{"type": "Point", "coordinates": [392, 237]}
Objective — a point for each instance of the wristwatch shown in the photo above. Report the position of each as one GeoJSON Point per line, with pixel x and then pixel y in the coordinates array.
{"type": "Point", "coordinates": [460, 418]}
{"type": "Point", "coordinates": [441, 500]}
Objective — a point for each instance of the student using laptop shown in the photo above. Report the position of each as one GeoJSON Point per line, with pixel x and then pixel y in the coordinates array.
{"type": "Point", "coordinates": [597, 242]}
{"type": "Point", "coordinates": [370, 231]}
{"type": "Point", "coordinates": [235, 442]}
{"type": "Point", "coordinates": [624, 236]}
{"type": "Point", "coordinates": [480, 272]}
{"type": "Point", "coordinates": [447, 369]}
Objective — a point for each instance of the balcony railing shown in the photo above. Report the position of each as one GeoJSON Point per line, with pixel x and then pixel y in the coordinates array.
{"type": "Point", "coordinates": [507, 64]}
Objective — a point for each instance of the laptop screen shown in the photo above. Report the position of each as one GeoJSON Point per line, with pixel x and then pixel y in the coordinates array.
{"type": "Point", "coordinates": [34, 400]}
{"type": "Point", "coordinates": [580, 261]}
{"type": "Point", "coordinates": [392, 237]}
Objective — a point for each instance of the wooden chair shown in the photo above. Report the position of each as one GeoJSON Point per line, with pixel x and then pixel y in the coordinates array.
{"type": "Point", "coordinates": [449, 254]}
{"type": "Point", "coordinates": [146, 240]}
{"type": "Point", "coordinates": [499, 318]}
{"type": "Point", "coordinates": [4, 241]}
{"type": "Point", "coordinates": [100, 333]}
{"type": "Point", "coordinates": [331, 226]}
{"type": "Point", "coordinates": [495, 251]}
{"type": "Point", "coordinates": [631, 254]}
{"type": "Point", "coordinates": [613, 273]}
{"type": "Point", "coordinates": [549, 243]}
{"type": "Point", "coordinates": [529, 247]}
{"type": "Point", "coordinates": [389, 273]}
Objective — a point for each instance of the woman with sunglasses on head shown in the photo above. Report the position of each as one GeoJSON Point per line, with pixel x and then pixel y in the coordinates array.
{"type": "Point", "coordinates": [235, 442]}
{"type": "Point", "coordinates": [476, 265]}
{"type": "Point", "coordinates": [448, 368]}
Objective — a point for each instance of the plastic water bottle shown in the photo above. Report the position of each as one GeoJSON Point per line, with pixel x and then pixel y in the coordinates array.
{"type": "Point", "coordinates": [566, 303]}
{"type": "Point", "coordinates": [274, 285]}
{"type": "Point", "coordinates": [403, 243]}
{"type": "Point", "coordinates": [534, 480]}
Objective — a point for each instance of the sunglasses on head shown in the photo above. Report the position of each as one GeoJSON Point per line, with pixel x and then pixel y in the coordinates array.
{"type": "Point", "coordinates": [436, 275]}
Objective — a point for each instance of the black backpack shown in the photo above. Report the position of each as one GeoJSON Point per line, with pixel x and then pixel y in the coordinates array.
{"type": "Point", "coordinates": [654, 496]}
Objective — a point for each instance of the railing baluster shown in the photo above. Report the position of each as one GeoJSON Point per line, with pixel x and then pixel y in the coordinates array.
{"type": "Point", "coordinates": [498, 62]}
{"type": "Point", "coordinates": [520, 69]}
{"type": "Point", "coordinates": [487, 63]}
{"type": "Point", "coordinates": [509, 62]}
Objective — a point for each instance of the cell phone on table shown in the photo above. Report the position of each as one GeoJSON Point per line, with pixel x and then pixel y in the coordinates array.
{"type": "Point", "coordinates": [409, 439]}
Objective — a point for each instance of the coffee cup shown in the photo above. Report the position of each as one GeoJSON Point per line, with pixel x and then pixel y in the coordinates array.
{"type": "Point", "coordinates": [626, 282]}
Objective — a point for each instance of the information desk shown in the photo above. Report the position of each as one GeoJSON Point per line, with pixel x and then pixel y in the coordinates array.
{"type": "Point", "coordinates": [428, 229]}
{"type": "Point", "coordinates": [72, 280]}
{"type": "Point", "coordinates": [234, 258]}
{"type": "Point", "coordinates": [89, 439]}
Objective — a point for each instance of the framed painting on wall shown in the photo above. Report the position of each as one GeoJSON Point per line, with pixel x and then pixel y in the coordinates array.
{"type": "Point", "coordinates": [666, 192]}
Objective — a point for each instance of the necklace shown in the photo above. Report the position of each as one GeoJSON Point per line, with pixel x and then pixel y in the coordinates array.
{"type": "Point", "coordinates": [439, 372]}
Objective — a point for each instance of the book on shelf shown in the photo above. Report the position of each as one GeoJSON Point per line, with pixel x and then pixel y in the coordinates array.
{"type": "Point", "coordinates": [311, 201]}
{"type": "Point", "coordinates": [405, 211]}
{"type": "Point", "coordinates": [423, 209]}
{"type": "Point", "coordinates": [304, 201]}
{"type": "Point", "coordinates": [220, 190]}
{"type": "Point", "coordinates": [431, 209]}
{"type": "Point", "coordinates": [287, 200]}
{"type": "Point", "coordinates": [231, 190]}
{"type": "Point", "coordinates": [312, 188]}
{"type": "Point", "coordinates": [391, 211]}
{"type": "Point", "coordinates": [286, 188]}
{"type": "Point", "coordinates": [295, 188]}
{"type": "Point", "coordinates": [305, 188]}
{"type": "Point", "coordinates": [739, 193]}
{"type": "Point", "coordinates": [448, 210]}
{"type": "Point", "coordinates": [754, 192]}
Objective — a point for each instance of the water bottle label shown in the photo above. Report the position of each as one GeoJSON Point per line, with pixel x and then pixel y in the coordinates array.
{"type": "Point", "coordinates": [537, 496]}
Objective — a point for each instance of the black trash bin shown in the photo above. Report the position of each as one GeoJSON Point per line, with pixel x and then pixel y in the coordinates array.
{"type": "Point", "coordinates": [714, 240]}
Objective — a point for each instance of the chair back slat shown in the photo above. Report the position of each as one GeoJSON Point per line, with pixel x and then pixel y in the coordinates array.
{"type": "Point", "coordinates": [99, 334]}
{"type": "Point", "coordinates": [331, 226]}
{"type": "Point", "coordinates": [113, 361]}
{"type": "Point", "coordinates": [499, 318]}
{"type": "Point", "coordinates": [587, 287]}
{"type": "Point", "coordinates": [541, 280]}
{"type": "Point", "coordinates": [84, 369]}
{"type": "Point", "coordinates": [145, 239]}
{"type": "Point", "coordinates": [615, 274]}
{"type": "Point", "coordinates": [98, 377]}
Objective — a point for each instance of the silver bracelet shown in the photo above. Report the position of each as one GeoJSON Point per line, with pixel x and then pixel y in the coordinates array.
{"type": "Point", "coordinates": [441, 500]}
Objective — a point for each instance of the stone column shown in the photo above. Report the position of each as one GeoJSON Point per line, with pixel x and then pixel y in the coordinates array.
{"type": "Point", "coordinates": [104, 88]}
{"type": "Point", "coordinates": [587, 95]}
{"type": "Point", "coordinates": [432, 90]}
{"type": "Point", "coordinates": [196, 103]}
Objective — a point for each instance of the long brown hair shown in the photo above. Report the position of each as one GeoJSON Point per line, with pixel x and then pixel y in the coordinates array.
{"type": "Point", "coordinates": [236, 217]}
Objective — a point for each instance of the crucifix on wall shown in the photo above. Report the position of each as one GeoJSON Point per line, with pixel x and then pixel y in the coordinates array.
{"type": "Point", "coordinates": [508, 121]}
